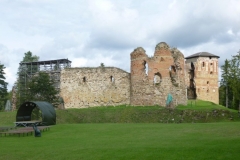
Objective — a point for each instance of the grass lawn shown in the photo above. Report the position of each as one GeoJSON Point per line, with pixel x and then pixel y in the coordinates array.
{"type": "Point", "coordinates": [127, 141]}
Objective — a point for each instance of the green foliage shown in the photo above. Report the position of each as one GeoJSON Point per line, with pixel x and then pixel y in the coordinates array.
{"type": "Point", "coordinates": [102, 65]}
{"type": "Point", "coordinates": [40, 88]}
{"type": "Point", "coordinates": [29, 57]}
{"type": "Point", "coordinates": [24, 71]}
{"type": "Point", "coordinates": [3, 87]}
{"type": "Point", "coordinates": [230, 84]}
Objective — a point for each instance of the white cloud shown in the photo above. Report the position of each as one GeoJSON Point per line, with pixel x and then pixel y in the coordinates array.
{"type": "Point", "coordinates": [104, 31]}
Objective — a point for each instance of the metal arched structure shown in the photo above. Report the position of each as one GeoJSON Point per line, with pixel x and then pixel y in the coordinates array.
{"type": "Point", "coordinates": [48, 113]}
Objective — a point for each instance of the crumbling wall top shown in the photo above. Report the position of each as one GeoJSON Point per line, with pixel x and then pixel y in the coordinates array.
{"type": "Point", "coordinates": [161, 45]}
{"type": "Point", "coordinates": [138, 52]}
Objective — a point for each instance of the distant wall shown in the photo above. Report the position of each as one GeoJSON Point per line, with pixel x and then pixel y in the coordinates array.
{"type": "Point", "coordinates": [89, 87]}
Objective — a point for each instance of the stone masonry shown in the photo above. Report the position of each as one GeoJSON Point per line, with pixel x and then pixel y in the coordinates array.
{"type": "Point", "coordinates": [150, 82]}
{"type": "Point", "coordinates": [153, 78]}
{"type": "Point", "coordinates": [206, 77]}
{"type": "Point", "coordinates": [89, 87]}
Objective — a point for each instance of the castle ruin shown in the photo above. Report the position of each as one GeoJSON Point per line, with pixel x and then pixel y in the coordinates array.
{"type": "Point", "coordinates": [150, 81]}
{"type": "Point", "coordinates": [202, 82]}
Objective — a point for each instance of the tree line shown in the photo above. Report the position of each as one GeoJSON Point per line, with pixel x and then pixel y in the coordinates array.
{"type": "Point", "coordinates": [3, 87]}
{"type": "Point", "coordinates": [229, 90]}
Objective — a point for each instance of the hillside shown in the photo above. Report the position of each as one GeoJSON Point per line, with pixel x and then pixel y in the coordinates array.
{"type": "Point", "coordinates": [194, 112]}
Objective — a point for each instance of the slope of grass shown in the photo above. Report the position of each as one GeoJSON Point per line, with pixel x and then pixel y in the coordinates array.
{"type": "Point", "coordinates": [127, 141]}
{"type": "Point", "coordinates": [203, 105]}
{"type": "Point", "coordinates": [194, 112]}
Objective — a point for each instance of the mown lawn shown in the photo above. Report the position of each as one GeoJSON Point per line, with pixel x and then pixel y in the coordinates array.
{"type": "Point", "coordinates": [127, 141]}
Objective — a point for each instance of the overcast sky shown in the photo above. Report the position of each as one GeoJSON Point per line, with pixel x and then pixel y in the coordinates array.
{"type": "Point", "coordinates": [90, 32]}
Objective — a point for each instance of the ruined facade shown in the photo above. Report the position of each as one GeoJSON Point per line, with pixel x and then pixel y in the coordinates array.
{"type": "Point", "coordinates": [89, 87]}
{"type": "Point", "coordinates": [150, 81]}
{"type": "Point", "coordinates": [202, 76]}
{"type": "Point", "coordinates": [153, 78]}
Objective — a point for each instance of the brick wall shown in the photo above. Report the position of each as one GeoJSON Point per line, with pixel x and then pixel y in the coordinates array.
{"type": "Point", "coordinates": [206, 78]}
{"type": "Point", "coordinates": [153, 78]}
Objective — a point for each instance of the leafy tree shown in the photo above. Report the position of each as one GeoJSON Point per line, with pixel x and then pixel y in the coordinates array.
{"type": "Point", "coordinates": [3, 87]}
{"type": "Point", "coordinates": [29, 57]}
{"type": "Point", "coordinates": [24, 74]}
{"type": "Point", "coordinates": [230, 84]}
{"type": "Point", "coordinates": [224, 89]}
{"type": "Point", "coordinates": [234, 80]}
{"type": "Point", "coordinates": [40, 88]}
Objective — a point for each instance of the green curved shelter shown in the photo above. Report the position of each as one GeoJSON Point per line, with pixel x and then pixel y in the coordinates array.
{"type": "Point", "coordinates": [48, 112]}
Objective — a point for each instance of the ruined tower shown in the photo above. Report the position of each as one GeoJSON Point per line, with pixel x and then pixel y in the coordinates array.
{"type": "Point", "coordinates": [202, 79]}
{"type": "Point", "coordinates": [153, 78]}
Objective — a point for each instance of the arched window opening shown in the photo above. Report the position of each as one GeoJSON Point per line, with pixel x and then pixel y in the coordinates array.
{"type": "Point", "coordinates": [145, 67]}
{"type": "Point", "coordinates": [111, 79]}
{"type": "Point", "coordinates": [157, 78]}
{"type": "Point", "coordinates": [207, 82]}
{"type": "Point", "coordinates": [203, 64]}
{"type": "Point", "coordinates": [84, 79]}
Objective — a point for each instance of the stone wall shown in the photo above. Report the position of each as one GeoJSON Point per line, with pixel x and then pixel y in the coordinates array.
{"type": "Point", "coordinates": [153, 78]}
{"type": "Point", "coordinates": [206, 78]}
{"type": "Point", "coordinates": [89, 87]}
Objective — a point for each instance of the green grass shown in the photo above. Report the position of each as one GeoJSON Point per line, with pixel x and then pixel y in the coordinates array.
{"type": "Point", "coordinates": [127, 132]}
{"type": "Point", "coordinates": [197, 112]}
{"type": "Point", "coordinates": [127, 141]}
{"type": "Point", "coordinates": [203, 105]}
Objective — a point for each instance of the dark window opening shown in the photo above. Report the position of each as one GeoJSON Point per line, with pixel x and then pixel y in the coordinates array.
{"type": "Point", "coordinates": [207, 82]}
{"type": "Point", "coordinates": [210, 63]}
{"type": "Point", "coordinates": [111, 79]}
{"type": "Point", "coordinates": [157, 78]}
{"type": "Point", "coordinates": [84, 79]}
{"type": "Point", "coordinates": [173, 69]}
{"type": "Point", "coordinates": [211, 72]}
{"type": "Point", "coordinates": [203, 64]}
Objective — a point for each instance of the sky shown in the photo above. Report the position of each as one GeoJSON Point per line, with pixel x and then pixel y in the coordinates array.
{"type": "Point", "coordinates": [90, 32]}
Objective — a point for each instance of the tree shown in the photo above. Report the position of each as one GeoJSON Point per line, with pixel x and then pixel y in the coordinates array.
{"type": "Point", "coordinates": [231, 83]}
{"type": "Point", "coordinates": [24, 74]}
{"type": "Point", "coordinates": [40, 88]}
{"type": "Point", "coordinates": [224, 82]}
{"type": "Point", "coordinates": [3, 87]}
{"type": "Point", "coordinates": [234, 80]}
{"type": "Point", "coordinates": [29, 57]}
